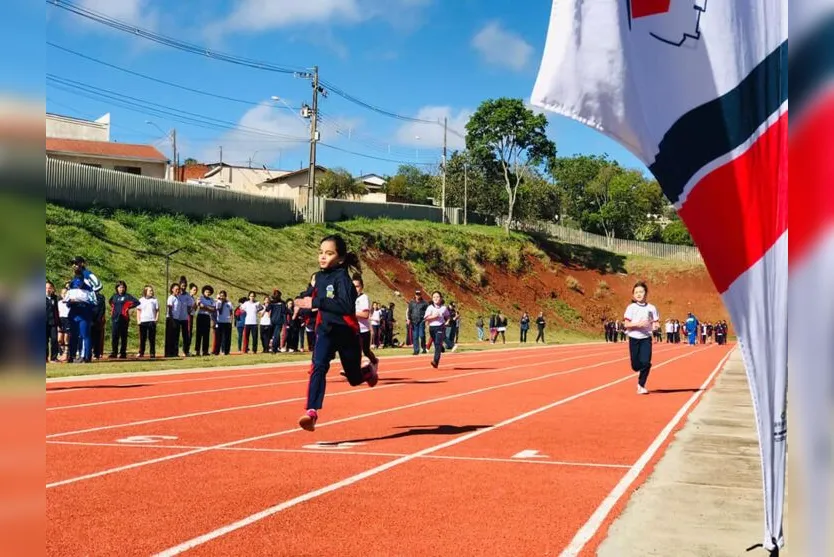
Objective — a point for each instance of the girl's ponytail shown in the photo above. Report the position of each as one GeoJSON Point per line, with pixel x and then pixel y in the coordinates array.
{"type": "Point", "coordinates": [352, 262]}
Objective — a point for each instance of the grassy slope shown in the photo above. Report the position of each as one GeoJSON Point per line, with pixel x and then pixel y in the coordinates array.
{"type": "Point", "coordinates": [237, 256]}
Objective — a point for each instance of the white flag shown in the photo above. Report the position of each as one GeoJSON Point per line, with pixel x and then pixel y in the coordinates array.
{"type": "Point", "coordinates": [698, 90]}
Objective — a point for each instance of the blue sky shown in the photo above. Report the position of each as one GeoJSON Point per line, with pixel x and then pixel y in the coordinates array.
{"type": "Point", "coordinates": [423, 58]}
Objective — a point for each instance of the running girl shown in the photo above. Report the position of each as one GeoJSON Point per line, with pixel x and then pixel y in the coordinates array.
{"type": "Point", "coordinates": [337, 329]}
{"type": "Point", "coordinates": [640, 320]}
{"type": "Point", "coordinates": [437, 315]}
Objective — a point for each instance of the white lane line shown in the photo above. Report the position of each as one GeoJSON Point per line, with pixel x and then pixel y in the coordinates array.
{"type": "Point", "coordinates": [590, 528]}
{"type": "Point", "coordinates": [355, 453]}
{"type": "Point", "coordinates": [299, 363]}
{"type": "Point", "coordinates": [299, 399]}
{"type": "Point", "coordinates": [200, 540]}
{"type": "Point", "coordinates": [409, 367]}
{"type": "Point", "coordinates": [333, 422]}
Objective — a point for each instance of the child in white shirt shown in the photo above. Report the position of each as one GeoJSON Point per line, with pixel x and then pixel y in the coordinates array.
{"type": "Point", "coordinates": [437, 316]}
{"type": "Point", "coordinates": [147, 315]}
{"type": "Point", "coordinates": [640, 320]}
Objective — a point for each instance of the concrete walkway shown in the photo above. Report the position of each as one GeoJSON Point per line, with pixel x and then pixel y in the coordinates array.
{"type": "Point", "coordinates": [705, 497]}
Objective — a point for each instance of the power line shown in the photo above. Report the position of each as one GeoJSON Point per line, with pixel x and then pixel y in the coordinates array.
{"type": "Point", "coordinates": [119, 25]}
{"type": "Point", "coordinates": [216, 55]}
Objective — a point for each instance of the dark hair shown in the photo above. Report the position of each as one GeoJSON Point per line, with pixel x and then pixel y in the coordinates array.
{"type": "Point", "coordinates": [251, 293]}
{"type": "Point", "coordinates": [192, 285]}
{"type": "Point", "coordinates": [222, 292]}
{"type": "Point", "coordinates": [50, 283]}
{"type": "Point", "coordinates": [349, 259]}
{"type": "Point", "coordinates": [183, 280]}
{"type": "Point", "coordinates": [121, 283]}
{"type": "Point", "coordinates": [208, 287]}
{"type": "Point", "coordinates": [173, 284]}
{"type": "Point", "coordinates": [357, 277]}
{"type": "Point", "coordinates": [241, 300]}
{"type": "Point", "coordinates": [439, 293]}
{"type": "Point", "coordinates": [640, 284]}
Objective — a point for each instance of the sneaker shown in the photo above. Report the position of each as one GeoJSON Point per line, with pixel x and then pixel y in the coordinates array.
{"type": "Point", "coordinates": [308, 420]}
{"type": "Point", "coordinates": [372, 377]}
{"type": "Point", "coordinates": [642, 390]}
{"type": "Point", "coordinates": [435, 363]}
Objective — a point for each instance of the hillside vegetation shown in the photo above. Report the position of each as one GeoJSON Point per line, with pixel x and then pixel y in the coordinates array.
{"type": "Point", "coordinates": [481, 268]}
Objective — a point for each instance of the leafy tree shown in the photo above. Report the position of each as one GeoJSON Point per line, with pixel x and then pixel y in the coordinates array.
{"type": "Point", "coordinates": [484, 192]}
{"type": "Point", "coordinates": [506, 133]}
{"type": "Point", "coordinates": [677, 233]}
{"type": "Point", "coordinates": [410, 184]}
{"type": "Point", "coordinates": [338, 183]}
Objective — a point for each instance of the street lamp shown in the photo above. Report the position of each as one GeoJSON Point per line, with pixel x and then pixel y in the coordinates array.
{"type": "Point", "coordinates": [167, 264]}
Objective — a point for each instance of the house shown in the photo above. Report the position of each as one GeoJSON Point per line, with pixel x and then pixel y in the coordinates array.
{"type": "Point", "coordinates": [242, 179]}
{"type": "Point", "coordinates": [144, 160]}
{"type": "Point", "coordinates": [88, 142]}
{"type": "Point", "coordinates": [291, 185]}
{"type": "Point", "coordinates": [375, 184]}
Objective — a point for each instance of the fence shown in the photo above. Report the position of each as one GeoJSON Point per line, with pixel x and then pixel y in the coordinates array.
{"type": "Point", "coordinates": [688, 254]}
{"type": "Point", "coordinates": [82, 187]}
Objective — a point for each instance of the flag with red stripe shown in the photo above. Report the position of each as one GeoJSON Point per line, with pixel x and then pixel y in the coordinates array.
{"type": "Point", "coordinates": [698, 90]}
{"type": "Point", "coordinates": [811, 267]}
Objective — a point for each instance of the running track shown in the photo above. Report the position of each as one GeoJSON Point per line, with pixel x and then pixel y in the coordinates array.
{"type": "Point", "coordinates": [516, 452]}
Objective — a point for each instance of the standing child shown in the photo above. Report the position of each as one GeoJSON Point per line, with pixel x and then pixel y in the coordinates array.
{"type": "Point", "coordinates": [437, 315]}
{"type": "Point", "coordinates": [640, 320]}
{"type": "Point", "coordinates": [120, 305]}
{"type": "Point", "coordinates": [363, 315]}
{"type": "Point", "coordinates": [223, 311]}
{"type": "Point", "coordinates": [147, 315]}
{"type": "Point", "coordinates": [337, 329]}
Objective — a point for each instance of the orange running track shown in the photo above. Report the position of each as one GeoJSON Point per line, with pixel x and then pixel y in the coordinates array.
{"type": "Point", "coordinates": [512, 452]}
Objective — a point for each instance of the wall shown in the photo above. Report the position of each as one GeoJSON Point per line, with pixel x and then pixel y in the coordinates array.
{"type": "Point", "coordinates": [339, 209]}
{"type": "Point", "coordinates": [82, 187]}
{"type": "Point", "coordinates": [150, 169]}
{"type": "Point", "coordinates": [623, 247]}
{"type": "Point", "coordinates": [72, 128]}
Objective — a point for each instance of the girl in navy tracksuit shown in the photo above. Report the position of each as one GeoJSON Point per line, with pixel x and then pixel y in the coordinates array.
{"type": "Point", "coordinates": [120, 305]}
{"type": "Point", "coordinates": [337, 329]}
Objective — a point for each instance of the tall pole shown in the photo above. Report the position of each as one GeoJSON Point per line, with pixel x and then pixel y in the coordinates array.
{"type": "Point", "coordinates": [176, 160]}
{"type": "Point", "coordinates": [443, 193]}
{"type": "Point", "coordinates": [314, 138]}
{"type": "Point", "coordinates": [465, 192]}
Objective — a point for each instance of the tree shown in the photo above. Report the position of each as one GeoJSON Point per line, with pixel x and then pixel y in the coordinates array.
{"type": "Point", "coordinates": [338, 183]}
{"type": "Point", "coordinates": [484, 193]}
{"type": "Point", "coordinates": [677, 233]}
{"type": "Point", "coordinates": [410, 185]}
{"type": "Point", "coordinates": [190, 161]}
{"type": "Point", "coordinates": [504, 132]}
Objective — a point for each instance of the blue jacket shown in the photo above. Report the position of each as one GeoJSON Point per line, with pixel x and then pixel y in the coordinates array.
{"type": "Point", "coordinates": [335, 298]}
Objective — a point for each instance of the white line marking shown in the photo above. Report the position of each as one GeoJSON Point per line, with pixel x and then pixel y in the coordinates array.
{"type": "Point", "coordinates": [300, 399]}
{"type": "Point", "coordinates": [300, 363]}
{"type": "Point", "coordinates": [171, 395]}
{"type": "Point", "coordinates": [194, 542]}
{"type": "Point", "coordinates": [529, 453]}
{"type": "Point", "coordinates": [590, 528]}
{"type": "Point", "coordinates": [409, 367]}
{"type": "Point", "coordinates": [332, 422]}
{"type": "Point", "coordinates": [357, 453]}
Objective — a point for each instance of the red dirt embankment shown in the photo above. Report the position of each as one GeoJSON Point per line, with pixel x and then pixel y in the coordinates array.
{"type": "Point", "coordinates": [570, 295]}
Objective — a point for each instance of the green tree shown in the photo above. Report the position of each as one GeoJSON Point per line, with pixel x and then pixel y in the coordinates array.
{"type": "Point", "coordinates": [677, 233]}
{"type": "Point", "coordinates": [410, 184]}
{"type": "Point", "coordinates": [466, 176]}
{"type": "Point", "coordinates": [506, 133]}
{"type": "Point", "coordinates": [338, 183]}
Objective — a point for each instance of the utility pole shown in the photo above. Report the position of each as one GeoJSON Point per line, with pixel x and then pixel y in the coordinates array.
{"type": "Point", "coordinates": [465, 192]}
{"type": "Point", "coordinates": [443, 194]}
{"type": "Point", "coordinates": [314, 137]}
{"type": "Point", "coordinates": [176, 159]}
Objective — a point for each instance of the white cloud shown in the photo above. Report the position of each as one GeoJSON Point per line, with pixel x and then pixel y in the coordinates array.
{"type": "Point", "coordinates": [260, 15]}
{"type": "Point", "coordinates": [135, 12]}
{"type": "Point", "coordinates": [503, 48]}
{"type": "Point", "coordinates": [264, 15]}
{"type": "Point", "coordinates": [431, 135]}
{"type": "Point", "coordinates": [267, 132]}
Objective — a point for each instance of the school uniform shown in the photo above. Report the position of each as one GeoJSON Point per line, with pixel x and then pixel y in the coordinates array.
{"type": "Point", "coordinates": [416, 316]}
{"type": "Point", "coordinates": [640, 340]}
{"type": "Point", "coordinates": [265, 327]}
{"type": "Point", "coordinates": [540, 324]}
{"type": "Point", "coordinates": [120, 306]}
{"type": "Point", "coordinates": [205, 313]}
{"type": "Point", "coordinates": [81, 315]}
{"type": "Point", "coordinates": [250, 324]}
{"type": "Point", "coordinates": [278, 316]}
{"type": "Point", "coordinates": [222, 327]}
{"type": "Point", "coordinates": [337, 330]}
{"type": "Point", "coordinates": [148, 312]}
{"type": "Point", "coordinates": [179, 308]}
{"type": "Point", "coordinates": [53, 321]}
{"type": "Point", "coordinates": [524, 326]}
{"type": "Point", "coordinates": [437, 325]}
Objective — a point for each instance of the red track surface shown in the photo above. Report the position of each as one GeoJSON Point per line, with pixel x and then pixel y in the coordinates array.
{"type": "Point", "coordinates": [423, 464]}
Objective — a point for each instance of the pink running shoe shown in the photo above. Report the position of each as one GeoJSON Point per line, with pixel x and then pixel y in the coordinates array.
{"type": "Point", "coordinates": [308, 420]}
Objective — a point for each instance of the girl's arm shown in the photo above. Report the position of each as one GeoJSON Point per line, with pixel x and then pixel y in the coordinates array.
{"type": "Point", "coordinates": [342, 303]}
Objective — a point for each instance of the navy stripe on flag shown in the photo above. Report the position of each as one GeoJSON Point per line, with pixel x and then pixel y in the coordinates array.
{"type": "Point", "coordinates": [811, 64]}
{"type": "Point", "coordinates": [714, 129]}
